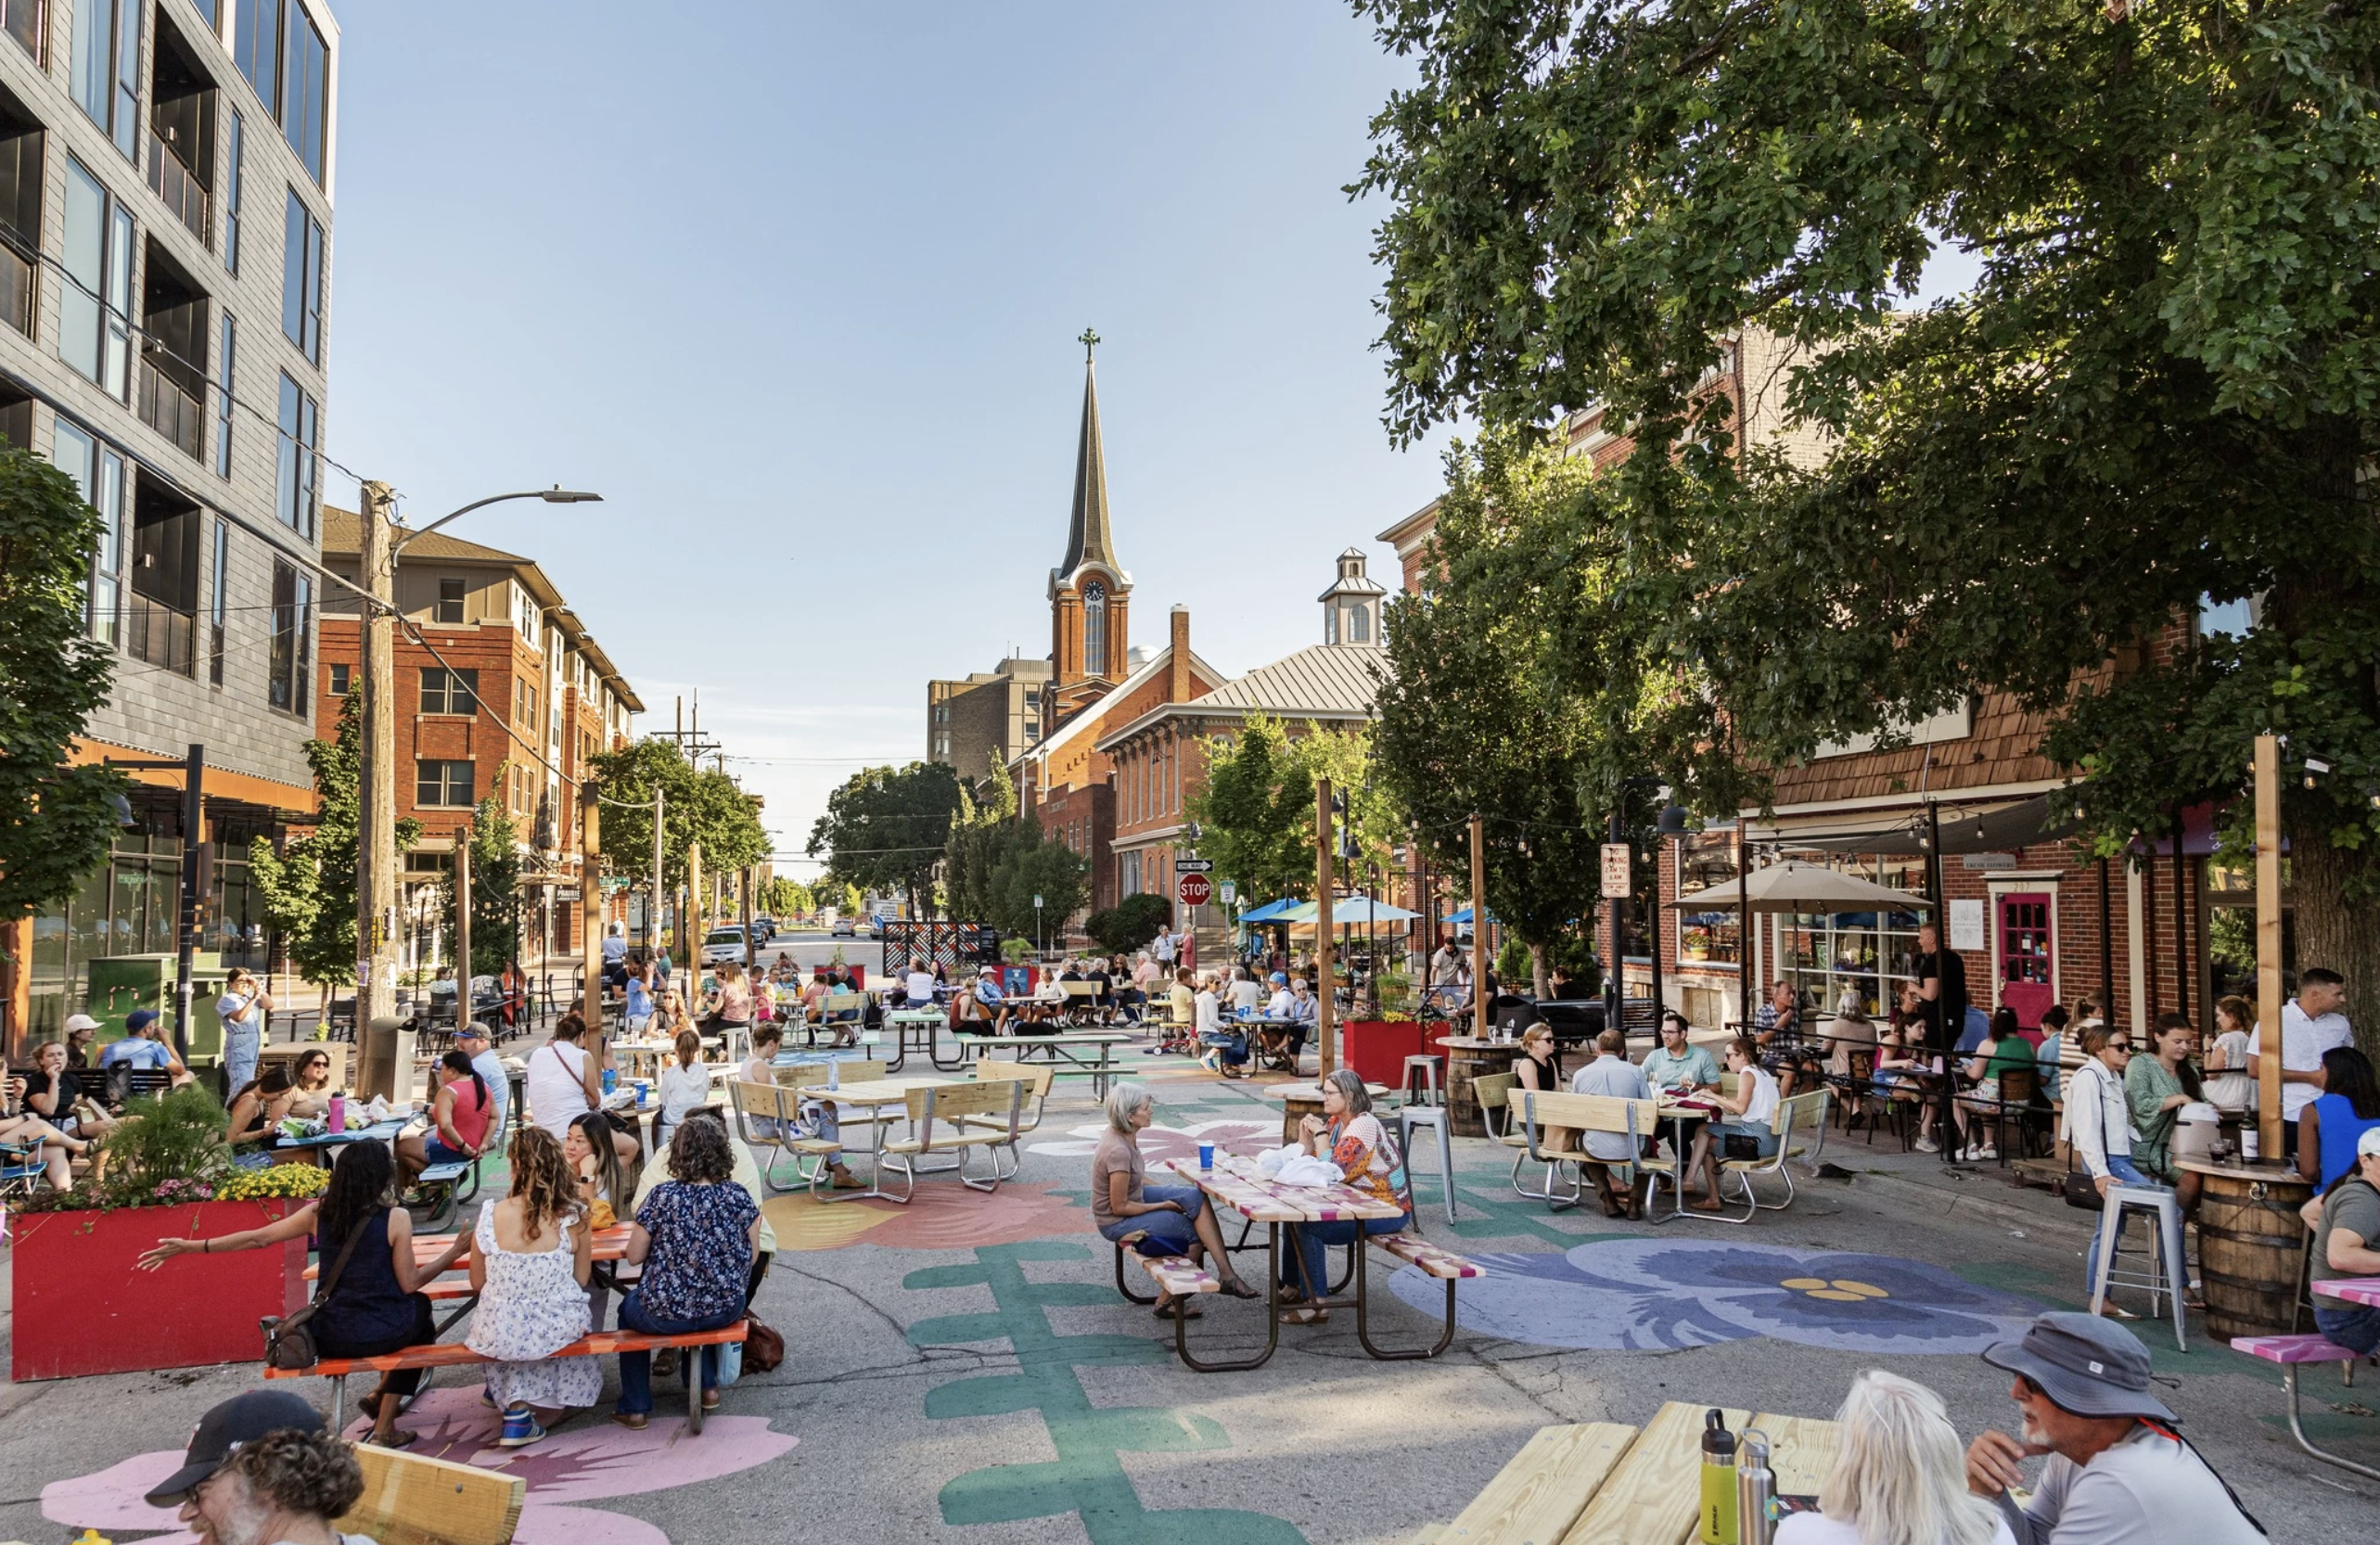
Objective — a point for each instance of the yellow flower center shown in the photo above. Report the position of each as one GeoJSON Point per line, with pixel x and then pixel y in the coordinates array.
{"type": "Point", "coordinates": [1839, 1290]}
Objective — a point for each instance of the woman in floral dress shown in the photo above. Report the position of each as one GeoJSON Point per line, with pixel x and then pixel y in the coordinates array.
{"type": "Point", "coordinates": [530, 1263]}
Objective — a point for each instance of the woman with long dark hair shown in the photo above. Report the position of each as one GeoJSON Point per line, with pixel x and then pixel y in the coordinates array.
{"type": "Point", "coordinates": [2329, 1128]}
{"type": "Point", "coordinates": [376, 1305]}
{"type": "Point", "coordinates": [460, 1115]}
{"type": "Point", "coordinates": [2155, 1088]}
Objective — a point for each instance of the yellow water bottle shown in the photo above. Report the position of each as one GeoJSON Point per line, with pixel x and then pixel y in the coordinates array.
{"type": "Point", "coordinates": [1717, 1480]}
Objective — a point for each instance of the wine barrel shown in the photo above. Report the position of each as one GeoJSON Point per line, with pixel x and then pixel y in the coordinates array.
{"type": "Point", "coordinates": [2251, 1248]}
{"type": "Point", "coordinates": [1468, 1060]}
{"type": "Point", "coordinates": [1294, 1109]}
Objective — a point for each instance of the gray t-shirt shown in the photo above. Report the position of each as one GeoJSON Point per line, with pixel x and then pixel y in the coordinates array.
{"type": "Point", "coordinates": [1115, 1153]}
{"type": "Point", "coordinates": [2147, 1489]}
{"type": "Point", "coordinates": [2354, 1206]}
{"type": "Point", "coordinates": [1619, 1078]}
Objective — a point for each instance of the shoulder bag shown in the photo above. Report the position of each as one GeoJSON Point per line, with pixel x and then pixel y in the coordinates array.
{"type": "Point", "coordinates": [289, 1340]}
{"type": "Point", "coordinates": [763, 1347]}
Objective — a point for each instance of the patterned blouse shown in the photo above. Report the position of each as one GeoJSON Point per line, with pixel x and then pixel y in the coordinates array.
{"type": "Point", "coordinates": [701, 1254]}
{"type": "Point", "coordinates": [1360, 1147]}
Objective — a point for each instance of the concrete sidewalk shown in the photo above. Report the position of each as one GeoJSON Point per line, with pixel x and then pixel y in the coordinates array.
{"type": "Point", "coordinates": [962, 1369]}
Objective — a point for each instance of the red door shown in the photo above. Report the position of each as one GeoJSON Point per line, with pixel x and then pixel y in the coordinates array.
{"type": "Point", "coordinates": [2026, 982]}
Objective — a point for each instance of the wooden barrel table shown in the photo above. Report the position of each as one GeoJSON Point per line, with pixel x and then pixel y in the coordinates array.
{"type": "Point", "coordinates": [1469, 1059]}
{"type": "Point", "coordinates": [2251, 1246]}
{"type": "Point", "coordinates": [1299, 1101]}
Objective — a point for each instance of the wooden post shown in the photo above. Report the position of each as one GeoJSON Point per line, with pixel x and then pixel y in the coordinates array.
{"type": "Point", "coordinates": [690, 926]}
{"type": "Point", "coordinates": [463, 927]}
{"type": "Point", "coordinates": [591, 908]}
{"type": "Point", "coordinates": [2268, 950]}
{"type": "Point", "coordinates": [1326, 1016]}
{"type": "Point", "coordinates": [744, 912]}
{"type": "Point", "coordinates": [1479, 928]}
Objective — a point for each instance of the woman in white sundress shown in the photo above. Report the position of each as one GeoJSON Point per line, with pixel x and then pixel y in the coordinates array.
{"type": "Point", "coordinates": [530, 1258]}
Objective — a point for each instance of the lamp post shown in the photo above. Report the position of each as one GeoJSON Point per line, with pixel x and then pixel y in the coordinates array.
{"type": "Point", "coordinates": [380, 547]}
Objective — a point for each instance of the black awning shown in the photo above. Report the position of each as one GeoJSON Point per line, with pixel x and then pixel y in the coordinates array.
{"type": "Point", "coordinates": [1966, 829]}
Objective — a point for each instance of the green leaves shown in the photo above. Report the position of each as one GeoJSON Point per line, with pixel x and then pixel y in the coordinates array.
{"type": "Point", "coordinates": [885, 829]}
{"type": "Point", "coordinates": [309, 886]}
{"type": "Point", "coordinates": [697, 806]}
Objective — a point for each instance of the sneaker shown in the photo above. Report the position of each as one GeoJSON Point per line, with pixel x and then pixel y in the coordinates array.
{"type": "Point", "coordinates": [1927, 1145]}
{"type": "Point", "coordinates": [520, 1426]}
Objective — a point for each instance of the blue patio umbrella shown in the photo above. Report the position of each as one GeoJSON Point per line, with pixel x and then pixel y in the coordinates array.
{"type": "Point", "coordinates": [1269, 913]}
{"type": "Point", "coordinates": [1465, 917]}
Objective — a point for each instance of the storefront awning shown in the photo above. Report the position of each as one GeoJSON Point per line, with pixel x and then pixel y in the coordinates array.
{"type": "Point", "coordinates": [1966, 829]}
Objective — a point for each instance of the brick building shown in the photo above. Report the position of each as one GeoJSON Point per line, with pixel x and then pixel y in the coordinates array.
{"type": "Point", "coordinates": [986, 718]}
{"type": "Point", "coordinates": [510, 695]}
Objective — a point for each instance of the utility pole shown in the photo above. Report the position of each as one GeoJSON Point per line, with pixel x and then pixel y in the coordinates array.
{"type": "Point", "coordinates": [376, 880]}
{"type": "Point", "coordinates": [195, 853]}
{"type": "Point", "coordinates": [744, 915]}
{"type": "Point", "coordinates": [463, 925]}
{"type": "Point", "coordinates": [690, 926]}
{"type": "Point", "coordinates": [1326, 905]}
{"type": "Point", "coordinates": [653, 921]}
{"type": "Point", "coordinates": [590, 905]}
{"type": "Point", "coordinates": [2268, 949]}
{"type": "Point", "coordinates": [1479, 928]}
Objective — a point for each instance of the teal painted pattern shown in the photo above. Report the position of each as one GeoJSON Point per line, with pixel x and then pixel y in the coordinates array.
{"type": "Point", "coordinates": [1088, 1476]}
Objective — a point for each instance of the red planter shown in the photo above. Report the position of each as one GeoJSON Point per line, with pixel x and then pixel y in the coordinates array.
{"type": "Point", "coordinates": [1376, 1049]}
{"type": "Point", "coordinates": [83, 1307]}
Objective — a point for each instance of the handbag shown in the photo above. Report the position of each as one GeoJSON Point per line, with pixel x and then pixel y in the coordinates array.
{"type": "Point", "coordinates": [763, 1348]}
{"type": "Point", "coordinates": [289, 1340]}
{"type": "Point", "coordinates": [2082, 1192]}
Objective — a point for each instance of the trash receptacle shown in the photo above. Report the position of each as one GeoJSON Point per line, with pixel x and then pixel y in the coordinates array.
{"type": "Point", "coordinates": [385, 1060]}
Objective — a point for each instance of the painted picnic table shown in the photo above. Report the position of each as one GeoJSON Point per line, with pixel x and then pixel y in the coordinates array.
{"type": "Point", "coordinates": [2355, 1290]}
{"type": "Point", "coordinates": [920, 1029]}
{"type": "Point", "coordinates": [1603, 1483]}
{"type": "Point", "coordinates": [1235, 1183]}
{"type": "Point", "coordinates": [378, 1131]}
{"type": "Point", "coordinates": [1070, 1047]}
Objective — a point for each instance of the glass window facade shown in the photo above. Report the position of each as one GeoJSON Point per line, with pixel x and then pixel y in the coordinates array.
{"type": "Point", "coordinates": [1861, 956]}
{"type": "Point", "coordinates": [291, 663]}
{"type": "Point", "coordinates": [95, 301]}
{"type": "Point", "coordinates": [295, 475]}
{"type": "Point", "coordinates": [1705, 938]}
{"type": "Point", "coordinates": [226, 379]}
{"type": "Point", "coordinates": [256, 46]}
{"type": "Point", "coordinates": [301, 278]}
{"type": "Point", "coordinates": [100, 473]}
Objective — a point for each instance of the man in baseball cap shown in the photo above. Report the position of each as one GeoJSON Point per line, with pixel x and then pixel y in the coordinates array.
{"type": "Point", "coordinates": [259, 1469]}
{"type": "Point", "coordinates": [2117, 1471]}
{"type": "Point", "coordinates": [143, 1046]}
{"type": "Point", "coordinates": [473, 1041]}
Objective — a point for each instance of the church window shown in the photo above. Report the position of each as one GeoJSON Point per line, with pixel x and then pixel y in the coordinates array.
{"type": "Point", "coordinates": [1330, 625]}
{"type": "Point", "coordinates": [1094, 629]}
{"type": "Point", "coordinates": [1359, 624]}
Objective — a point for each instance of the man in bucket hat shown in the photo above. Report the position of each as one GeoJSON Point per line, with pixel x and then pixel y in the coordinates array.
{"type": "Point", "coordinates": [2117, 1471]}
{"type": "Point", "coordinates": [262, 1470]}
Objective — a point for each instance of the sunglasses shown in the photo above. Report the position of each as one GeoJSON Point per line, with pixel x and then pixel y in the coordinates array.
{"type": "Point", "coordinates": [2124, 1046]}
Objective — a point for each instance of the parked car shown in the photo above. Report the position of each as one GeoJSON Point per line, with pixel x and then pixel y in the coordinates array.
{"type": "Point", "coordinates": [721, 945]}
{"type": "Point", "coordinates": [765, 928]}
{"type": "Point", "coordinates": [842, 929]}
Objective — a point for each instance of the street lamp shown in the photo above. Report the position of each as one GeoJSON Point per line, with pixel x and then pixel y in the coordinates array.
{"type": "Point", "coordinates": [380, 544]}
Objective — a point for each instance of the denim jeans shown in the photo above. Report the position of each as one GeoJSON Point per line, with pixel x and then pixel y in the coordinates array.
{"type": "Point", "coordinates": [2357, 1329]}
{"type": "Point", "coordinates": [2177, 1265]}
{"type": "Point", "coordinates": [1305, 1264]}
{"type": "Point", "coordinates": [1177, 1232]}
{"type": "Point", "coordinates": [636, 1368]}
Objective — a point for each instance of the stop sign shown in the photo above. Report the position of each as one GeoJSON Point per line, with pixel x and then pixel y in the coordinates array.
{"type": "Point", "coordinates": [1196, 890]}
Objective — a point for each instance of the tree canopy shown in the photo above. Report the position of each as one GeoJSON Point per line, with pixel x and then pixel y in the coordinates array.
{"type": "Point", "coordinates": [55, 820]}
{"type": "Point", "coordinates": [496, 887]}
{"type": "Point", "coordinates": [885, 829]}
{"type": "Point", "coordinates": [2160, 386]}
{"type": "Point", "coordinates": [697, 806]}
{"type": "Point", "coordinates": [309, 886]}
{"type": "Point", "coordinates": [1256, 814]}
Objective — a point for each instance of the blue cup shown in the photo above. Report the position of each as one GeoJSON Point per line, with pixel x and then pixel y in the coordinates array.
{"type": "Point", "coordinates": [1206, 1155]}
{"type": "Point", "coordinates": [611, 1080]}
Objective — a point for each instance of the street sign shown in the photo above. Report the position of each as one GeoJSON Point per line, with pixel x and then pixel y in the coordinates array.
{"type": "Point", "coordinates": [1227, 892]}
{"type": "Point", "coordinates": [1615, 868]}
{"type": "Point", "coordinates": [1195, 889]}
{"type": "Point", "coordinates": [1194, 866]}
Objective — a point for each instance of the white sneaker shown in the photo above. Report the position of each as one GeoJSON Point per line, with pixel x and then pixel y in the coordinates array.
{"type": "Point", "coordinates": [1927, 1145]}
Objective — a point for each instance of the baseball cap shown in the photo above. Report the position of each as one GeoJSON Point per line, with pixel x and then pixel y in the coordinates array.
{"type": "Point", "coordinates": [140, 1020]}
{"type": "Point", "coordinates": [2085, 1364]}
{"type": "Point", "coordinates": [221, 1433]}
{"type": "Point", "coordinates": [80, 1022]}
{"type": "Point", "coordinates": [472, 1030]}
{"type": "Point", "coordinates": [2368, 1145]}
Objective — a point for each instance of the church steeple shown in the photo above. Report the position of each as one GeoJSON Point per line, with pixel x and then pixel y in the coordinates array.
{"type": "Point", "coordinates": [1088, 539]}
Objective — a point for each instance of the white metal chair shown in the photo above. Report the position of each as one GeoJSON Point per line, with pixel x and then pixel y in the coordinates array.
{"type": "Point", "coordinates": [2164, 1277]}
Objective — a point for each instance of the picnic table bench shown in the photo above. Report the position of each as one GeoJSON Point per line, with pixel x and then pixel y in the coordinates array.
{"type": "Point", "coordinates": [2294, 1351]}
{"type": "Point", "coordinates": [1072, 1053]}
{"type": "Point", "coordinates": [1603, 1483]}
{"type": "Point", "coordinates": [609, 1244]}
{"type": "Point", "coordinates": [414, 1500]}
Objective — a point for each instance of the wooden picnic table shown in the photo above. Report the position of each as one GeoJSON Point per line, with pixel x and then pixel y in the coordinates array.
{"type": "Point", "coordinates": [906, 1024]}
{"type": "Point", "coordinates": [1603, 1483]}
{"type": "Point", "coordinates": [1235, 1183]}
{"type": "Point", "coordinates": [1070, 1047]}
{"type": "Point", "coordinates": [873, 1095]}
{"type": "Point", "coordinates": [609, 1244]}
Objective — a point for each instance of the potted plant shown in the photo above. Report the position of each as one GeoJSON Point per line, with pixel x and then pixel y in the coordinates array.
{"type": "Point", "coordinates": [82, 1306]}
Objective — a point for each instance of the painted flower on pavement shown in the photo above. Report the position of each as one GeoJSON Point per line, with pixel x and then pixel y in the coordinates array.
{"type": "Point", "coordinates": [1159, 1142]}
{"type": "Point", "coordinates": [1660, 1294]}
{"type": "Point", "coordinates": [587, 1460]}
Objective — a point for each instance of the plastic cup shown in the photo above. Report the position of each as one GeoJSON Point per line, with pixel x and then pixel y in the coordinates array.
{"type": "Point", "coordinates": [1206, 1155]}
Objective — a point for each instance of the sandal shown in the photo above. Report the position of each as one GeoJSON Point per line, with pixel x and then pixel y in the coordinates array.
{"type": "Point", "coordinates": [398, 1438]}
{"type": "Point", "coordinates": [711, 1400]}
{"type": "Point", "coordinates": [1304, 1316]}
{"type": "Point", "coordinates": [1239, 1289]}
{"type": "Point", "coordinates": [1178, 1309]}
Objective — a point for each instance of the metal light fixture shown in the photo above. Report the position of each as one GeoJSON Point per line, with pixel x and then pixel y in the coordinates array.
{"type": "Point", "coordinates": [557, 494]}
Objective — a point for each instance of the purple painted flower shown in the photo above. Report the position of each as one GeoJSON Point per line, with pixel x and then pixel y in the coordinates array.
{"type": "Point", "coordinates": [1663, 1293]}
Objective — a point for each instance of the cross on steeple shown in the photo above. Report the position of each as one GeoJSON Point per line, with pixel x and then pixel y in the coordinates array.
{"type": "Point", "coordinates": [1089, 340]}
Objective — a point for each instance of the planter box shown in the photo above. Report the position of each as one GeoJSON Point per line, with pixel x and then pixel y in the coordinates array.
{"type": "Point", "coordinates": [83, 1307]}
{"type": "Point", "coordinates": [1376, 1049]}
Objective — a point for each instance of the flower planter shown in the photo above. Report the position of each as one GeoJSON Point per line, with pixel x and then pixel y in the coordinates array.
{"type": "Point", "coordinates": [1376, 1049]}
{"type": "Point", "coordinates": [81, 1307]}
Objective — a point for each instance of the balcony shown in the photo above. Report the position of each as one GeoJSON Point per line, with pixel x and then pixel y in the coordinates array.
{"type": "Point", "coordinates": [170, 411]}
{"type": "Point", "coordinates": [159, 635]}
{"type": "Point", "coordinates": [184, 191]}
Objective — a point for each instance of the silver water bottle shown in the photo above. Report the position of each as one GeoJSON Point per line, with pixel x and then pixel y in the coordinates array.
{"type": "Point", "coordinates": [1756, 1487]}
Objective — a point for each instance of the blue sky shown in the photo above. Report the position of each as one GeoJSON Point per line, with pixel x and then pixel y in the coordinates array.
{"type": "Point", "coordinates": [796, 287]}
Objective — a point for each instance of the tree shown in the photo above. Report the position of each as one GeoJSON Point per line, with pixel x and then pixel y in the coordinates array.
{"type": "Point", "coordinates": [885, 828]}
{"type": "Point", "coordinates": [1051, 870]}
{"type": "Point", "coordinates": [1255, 815]}
{"type": "Point", "coordinates": [57, 821]}
{"type": "Point", "coordinates": [982, 833]}
{"type": "Point", "coordinates": [309, 886]}
{"type": "Point", "coordinates": [1129, 924]}
{"type": "Point", "coordinates": [2162, 386]}
{"type": "Point", "coordinates": [496, 887]}
{"type": "Point", "coordinates": [697, 806]}
{"type": "Point", "coordinates": [783, 897]}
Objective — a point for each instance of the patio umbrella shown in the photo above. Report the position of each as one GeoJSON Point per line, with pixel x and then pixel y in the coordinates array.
{"type": "Point", "coordinates": [1465, 917]}
{"type": "Point", "coordinates": [1350, 911]}
{"type": "Point", "coordinates": [1795, 886]}
{"type": "Point", "coordinates": [1271, 912]}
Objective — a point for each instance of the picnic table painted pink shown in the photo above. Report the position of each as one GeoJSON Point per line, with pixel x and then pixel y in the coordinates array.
{"type": "Point", "coordinates": [2355, 1290]}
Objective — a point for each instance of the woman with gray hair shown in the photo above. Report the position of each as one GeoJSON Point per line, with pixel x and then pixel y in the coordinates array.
{"type": "Point", "coordinates": [1899, 1477]}
{"type": "Point", "coordinates": [1352, 1137]}
{"type": "Point", "coordinates": [1172, 1219]}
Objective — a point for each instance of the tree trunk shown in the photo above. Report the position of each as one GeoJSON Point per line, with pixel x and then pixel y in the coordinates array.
{"type": "Point", "coordinates": [1540, 972]}
{"type": "Point", "coordinates": [2335, 931]}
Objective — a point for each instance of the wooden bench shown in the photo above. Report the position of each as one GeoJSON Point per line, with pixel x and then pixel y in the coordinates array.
{"type": "Point", "coordinates": [455, 1354]}
{"type": "Point", "coordinates": [2292, 1352]}
{"type": "Point", "coordinates": [1542, 1112]}
{"type": "Point", "coordinates": [938, 1124]}
{"type": "Point", "coordinates": [764, 1114]}
{"type": "Point", "coordinates": [414, 1500]}
{"type": "Point", "coordinates": [1036, 1079]}
{"type": "Point", "coordinates": [1542, 1492]}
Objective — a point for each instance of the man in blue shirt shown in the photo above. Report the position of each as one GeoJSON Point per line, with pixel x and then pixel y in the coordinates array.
{"type": "Point", "coordinates": [143, 1046]}
{"type": "Point", "coordinates": [1676, 1066]}
{"type": "Point", "coordinates": [994, 1001]}
{"type": "Point", "coordinates": [1975, 1031]}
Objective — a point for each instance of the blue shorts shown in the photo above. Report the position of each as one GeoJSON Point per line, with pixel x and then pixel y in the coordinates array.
{"type": "Point", "coordinates": [439, 1153]}
{"type": "Point", "coordinates": [1766, 1139]}
{"type": "Point", "coordinates": [1173, 1232]}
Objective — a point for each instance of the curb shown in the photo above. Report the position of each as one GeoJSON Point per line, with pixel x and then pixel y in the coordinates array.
{"type": "Point", "coordinates": [1959, 1204]}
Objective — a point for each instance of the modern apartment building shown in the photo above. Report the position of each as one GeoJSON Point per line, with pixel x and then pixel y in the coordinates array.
{"type": "Point", "coordinates": [167, 170]}
{"type": "Point", "coordinates": [986, 719]}
{"type": "Point", "coordinates": [505, 692]}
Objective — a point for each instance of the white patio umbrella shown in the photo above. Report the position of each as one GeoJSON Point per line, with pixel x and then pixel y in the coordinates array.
{"type": "Point", "coordinates": [1796, 886]}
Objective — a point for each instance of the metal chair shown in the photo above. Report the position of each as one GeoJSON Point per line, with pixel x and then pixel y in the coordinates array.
{"type": "Point", "coordinates": [1409, 1115]}
{"type": "Point", "coordinates": [2164, 1278]}
{"type": "Point", "coordinates": [1427, 1068]}
{"type": "Point", "coordinates": [1800, 1111]}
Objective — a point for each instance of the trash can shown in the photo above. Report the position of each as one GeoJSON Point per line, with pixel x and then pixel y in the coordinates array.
{"type": "Point", "coordinates": [385, 1059]}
